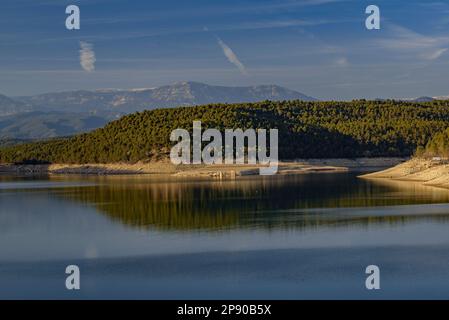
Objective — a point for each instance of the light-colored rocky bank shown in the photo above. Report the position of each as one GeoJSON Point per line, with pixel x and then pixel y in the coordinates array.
{"type": "Point", "coordinates": [220, 171]}
{"type": "Point", "coordinates": [428, 172]}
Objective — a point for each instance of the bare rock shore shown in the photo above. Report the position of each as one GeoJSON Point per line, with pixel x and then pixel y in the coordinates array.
{"type": "Point", "coordinates": [221, 171]}
{"type": "Point", "coordinates": [428, 172]}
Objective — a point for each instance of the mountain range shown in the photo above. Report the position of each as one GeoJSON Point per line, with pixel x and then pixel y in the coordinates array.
{"type": "Point", "coordinates": [10, 106]}
{"type": "Point", "coordinates": [177, 94]}
{"type": "Point", "coordinates": [44, 125]}
{"type": "Point", "coordinates": [67, 113]}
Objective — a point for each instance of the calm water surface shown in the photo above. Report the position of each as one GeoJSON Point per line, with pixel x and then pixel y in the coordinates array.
{"type": "Point", "coordinates": [281, 237]}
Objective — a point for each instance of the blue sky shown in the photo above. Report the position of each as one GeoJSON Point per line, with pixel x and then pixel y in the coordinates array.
{"type": "Point", "coordinates": [318, 47]}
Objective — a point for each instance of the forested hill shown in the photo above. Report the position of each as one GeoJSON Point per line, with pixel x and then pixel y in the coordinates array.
{"type": "Point", "coordinates": [306, 130]}
{"type": "Point", "coordinates": [438, 146]}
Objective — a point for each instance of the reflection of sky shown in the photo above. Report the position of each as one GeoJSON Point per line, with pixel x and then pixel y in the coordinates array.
{"type": "Point", "coordinates": [319, 47]}
{"type": "Point", "coordinates": [39, 225]}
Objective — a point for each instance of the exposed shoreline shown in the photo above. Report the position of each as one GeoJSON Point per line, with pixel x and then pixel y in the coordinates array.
{"type": "Point", "coordinates": [427, 172]}
{"type": "Point", "coordinates": [221, 171]}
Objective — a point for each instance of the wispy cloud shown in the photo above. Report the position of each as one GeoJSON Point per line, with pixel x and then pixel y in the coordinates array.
{"type": "Point", "coordinates": [408, 41]}
{"type": "Point", "coordinates": [232, 57]}
{"type": "Point", "coordinates": [342, 62]}
{"type": "Point", "coordinates": [274, 24]}
{"type": "Point", "coordinates": [87, 56]}
{"type": "Point", "coordinates": [214, 10]}
{"type": "Point", "coordinates": [435, 55]}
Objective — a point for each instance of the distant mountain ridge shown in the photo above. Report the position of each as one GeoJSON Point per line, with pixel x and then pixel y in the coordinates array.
{"type": "Point", "coordinates": [66, 113]}
{"type": "Point", "coordinates": [426, 99]}
{"type": "Point", "coordinates": [178, 94]}
{"type": "Point", "coordinates": [10, 106]}
{"type": "Point", "coordinates": [44, 125]}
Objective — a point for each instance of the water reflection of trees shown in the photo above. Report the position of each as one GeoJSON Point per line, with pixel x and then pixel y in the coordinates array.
{"type": "Point", "coordinates": [272, 202]}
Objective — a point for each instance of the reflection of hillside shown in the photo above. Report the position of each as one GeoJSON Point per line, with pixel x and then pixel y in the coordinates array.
{"type": "Point", "coordinates": [273, 202]}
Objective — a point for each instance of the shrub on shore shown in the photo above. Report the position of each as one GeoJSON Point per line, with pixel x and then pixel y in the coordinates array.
{"type": "Point", "coordinates": [437, 147]}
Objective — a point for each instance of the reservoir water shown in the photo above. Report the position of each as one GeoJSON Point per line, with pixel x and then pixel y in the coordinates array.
{"type": "Point", "coordinates": [280, 237]}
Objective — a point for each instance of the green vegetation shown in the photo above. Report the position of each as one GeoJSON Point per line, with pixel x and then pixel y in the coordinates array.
{"type": "Point", "coordinates": [306, 130]}
{"type": "Point", "coordinates": [438, 146]}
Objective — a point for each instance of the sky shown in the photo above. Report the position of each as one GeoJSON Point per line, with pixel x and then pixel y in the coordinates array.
{"type": "Point", "coordinates": [318, 47]}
